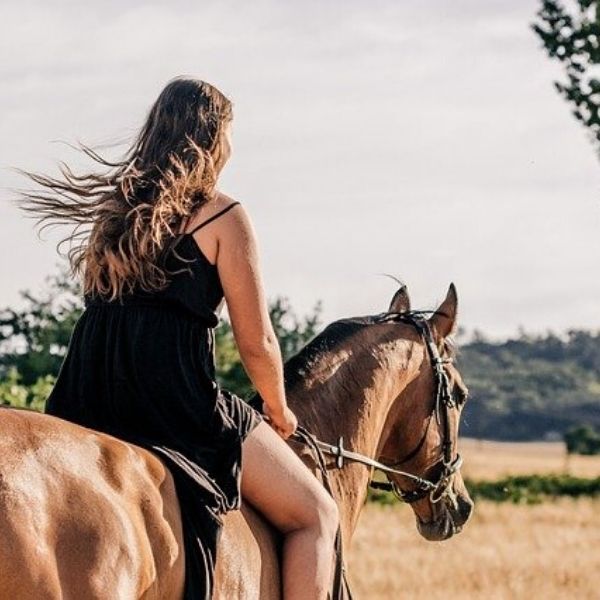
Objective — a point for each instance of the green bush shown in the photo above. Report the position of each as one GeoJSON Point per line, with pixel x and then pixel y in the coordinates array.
{"type": "Point", "coordinates": [14, 393]}
{"type": "Point", "coordinates": [582, 440]}
{"type": "Point", "coordinates": [533, 488]}
{"type": "Point", "coordinates": [526, 489]}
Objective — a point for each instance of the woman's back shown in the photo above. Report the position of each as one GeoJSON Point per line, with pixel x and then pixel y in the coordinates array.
{"type": "Point", "coordinates": [142, 368]}
{"type": "Point", "coordinates": [194, 288]}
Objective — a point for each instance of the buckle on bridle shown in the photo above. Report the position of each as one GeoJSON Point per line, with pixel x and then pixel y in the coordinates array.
{"type": "Point", "coordinates": [339, 459]}
{"type": "Point", "coordinates": [410, 496]}
{"type": "Point", "coordinates": [443, 488]}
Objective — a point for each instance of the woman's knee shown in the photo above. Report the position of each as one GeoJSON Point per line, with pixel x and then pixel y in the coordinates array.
{"type": "Point", "coordinates": [329, 514]}
{"type": "Point", "coordinates": [321, 513]}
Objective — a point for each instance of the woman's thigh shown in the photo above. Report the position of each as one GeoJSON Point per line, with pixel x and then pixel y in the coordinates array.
{"type": "Point", "coordinates": [278, 484]}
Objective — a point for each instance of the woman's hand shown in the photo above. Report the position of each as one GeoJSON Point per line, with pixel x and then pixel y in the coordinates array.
{"type": "Point", "coordinates": [283, 422]}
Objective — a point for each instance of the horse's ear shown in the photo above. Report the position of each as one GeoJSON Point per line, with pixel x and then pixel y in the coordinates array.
{"type": "Point", "coordinates": [400, 302]}
{"type": "Point", "coordinates": [444, 319]}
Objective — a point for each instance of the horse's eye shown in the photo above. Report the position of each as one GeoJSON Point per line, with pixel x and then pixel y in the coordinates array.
{"type": "Point", "coordinates": [460, 395]}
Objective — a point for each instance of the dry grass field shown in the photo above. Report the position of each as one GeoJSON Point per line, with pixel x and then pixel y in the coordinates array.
{"type": "Point", "coordinates": [492, 460]}
{"type": "Point", "coordinates": [547, 551]}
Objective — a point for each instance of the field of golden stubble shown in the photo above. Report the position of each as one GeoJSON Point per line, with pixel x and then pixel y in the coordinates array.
{"type": "Point", "coordinates": [486, 460]}
{"type": "Point", "coordinates": [506, 551]}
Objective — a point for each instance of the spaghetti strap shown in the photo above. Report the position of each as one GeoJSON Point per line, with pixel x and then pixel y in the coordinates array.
{"type": "Point", "coordinates": [212, 218]}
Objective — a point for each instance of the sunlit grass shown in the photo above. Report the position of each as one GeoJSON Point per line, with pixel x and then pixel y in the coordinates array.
{"type": "Point", "coordinates": [486, 460]}
{"type": "Point", "coordinates": [506, 551]}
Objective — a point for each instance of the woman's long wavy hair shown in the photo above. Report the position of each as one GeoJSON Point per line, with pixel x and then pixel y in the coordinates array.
{"type": "Point", "coordinates": [136, 205]}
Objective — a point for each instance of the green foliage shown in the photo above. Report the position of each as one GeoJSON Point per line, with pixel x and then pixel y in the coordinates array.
{"type": "Point", "coordinates": [522, 489]}
{"type": "Point", "coordinates": [292, 333]}
{"type": "Point", "coordinates": [15, 393]}
{"type": "Point", "coordinates": [382, 497]}
{"type": "Point", "coordinates": [34, 339]}
{"type": "Point", "coordinates": [531, 489]}
{"type": "Point", "coordinates": [582, 440]}
{"type": "Point", "coordinates": [532, 387]}
{"type": "Point", "coordinates": [12, 392]}
{"type": "Point", "coordinates": [573, 38]}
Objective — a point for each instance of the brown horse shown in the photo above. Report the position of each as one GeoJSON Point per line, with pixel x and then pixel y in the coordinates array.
{"type": "Point", "coordinates": [370, 382]}
{"type": "Point", "coordinates": [86, 515]}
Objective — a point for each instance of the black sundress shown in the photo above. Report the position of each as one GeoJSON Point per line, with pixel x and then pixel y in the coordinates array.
{"type": "Point", "coordinates": [142, 368]}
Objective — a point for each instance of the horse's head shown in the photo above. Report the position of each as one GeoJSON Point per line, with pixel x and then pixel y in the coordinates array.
{"type": "Point", "coordinates": [384, 387]}
{"type": "Point", "coordinates": [421, 431]}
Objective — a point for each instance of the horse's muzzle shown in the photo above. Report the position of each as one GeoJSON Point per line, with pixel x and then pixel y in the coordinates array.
{"type": "Point", "coordinates": [449, 519]}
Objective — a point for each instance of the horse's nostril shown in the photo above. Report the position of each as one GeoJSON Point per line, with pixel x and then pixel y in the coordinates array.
{"type": "Point", "coordinates": [465, 508]}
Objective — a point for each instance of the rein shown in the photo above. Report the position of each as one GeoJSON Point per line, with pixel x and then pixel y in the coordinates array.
{"type": "Point", "coordinates": [443, 400]}
{"type": "Point", "coordinates": [437, 490]}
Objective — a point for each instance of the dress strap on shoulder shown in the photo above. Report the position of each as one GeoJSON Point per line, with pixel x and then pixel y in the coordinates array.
{"type": "Point", "coordinates": [213, 217]}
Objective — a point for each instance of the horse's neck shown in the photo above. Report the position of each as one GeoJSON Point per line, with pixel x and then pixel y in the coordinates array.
{"type": "Point", "coordinates": [348, 394]}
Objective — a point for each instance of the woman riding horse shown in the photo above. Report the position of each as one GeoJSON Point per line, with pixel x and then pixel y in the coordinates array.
{"type": "Point", "coordinates": [165, 248]}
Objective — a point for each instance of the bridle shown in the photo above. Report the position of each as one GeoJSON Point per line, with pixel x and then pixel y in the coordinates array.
{"type": "Point", "coordinates": [444, 402]}
{"type": "Point", "coordinates": [436, 489]}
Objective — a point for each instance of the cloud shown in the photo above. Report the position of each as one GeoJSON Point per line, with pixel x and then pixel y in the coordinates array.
{"type": "Point", "coordinates": [422, 139]}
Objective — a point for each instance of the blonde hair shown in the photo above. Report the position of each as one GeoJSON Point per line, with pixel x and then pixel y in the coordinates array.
{"type": "Point", "coordinates": [136, 205]}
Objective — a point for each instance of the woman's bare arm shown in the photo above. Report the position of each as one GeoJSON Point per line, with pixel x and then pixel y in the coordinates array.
{"type": "Point", "coordinates": [238, 264]}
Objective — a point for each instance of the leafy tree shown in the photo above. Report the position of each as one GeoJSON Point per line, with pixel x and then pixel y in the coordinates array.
{"type": "Point", "coordinates": [582, 440]}
{"type": "Point", "coordinates": [573, 38]}
{"type": "Point", "coordinates": [292, 333]}
{"type": "Point", "coordinates": [35, 338]}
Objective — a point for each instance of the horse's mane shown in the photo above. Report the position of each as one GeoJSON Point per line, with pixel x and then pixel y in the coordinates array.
{"type": "Point", "coordinates": [299, 365]}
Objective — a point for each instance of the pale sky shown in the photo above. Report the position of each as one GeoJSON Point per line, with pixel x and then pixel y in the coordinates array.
{"type": "Point", "coordinates": [420, 139]}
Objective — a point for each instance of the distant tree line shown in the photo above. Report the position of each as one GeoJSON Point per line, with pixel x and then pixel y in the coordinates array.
{"type": "Point", "coordinates": [532, 387]}
{"type": "Point", "coordinates": [528, 388]}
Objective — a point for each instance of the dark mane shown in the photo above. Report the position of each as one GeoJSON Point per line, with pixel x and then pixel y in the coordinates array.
{"type": "Point", "coordinates": [297, 366]}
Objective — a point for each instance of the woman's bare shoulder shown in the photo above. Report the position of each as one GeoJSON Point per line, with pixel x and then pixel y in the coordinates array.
{"type": "Point", "coordinates": [220, 202]}
{"type": "Point", "coordinates": [239, 213]}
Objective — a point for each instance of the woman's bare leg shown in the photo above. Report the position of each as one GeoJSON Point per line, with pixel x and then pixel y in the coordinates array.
{"type": "Point", "coordinates": [278, 484]}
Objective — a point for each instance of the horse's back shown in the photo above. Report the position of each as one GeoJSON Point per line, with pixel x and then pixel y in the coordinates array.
{"type": "Point", "coordinates": [85, 515]}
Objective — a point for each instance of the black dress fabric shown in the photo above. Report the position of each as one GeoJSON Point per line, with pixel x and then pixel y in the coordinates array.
{"type": "Point", "coordinates": [142, 369]}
